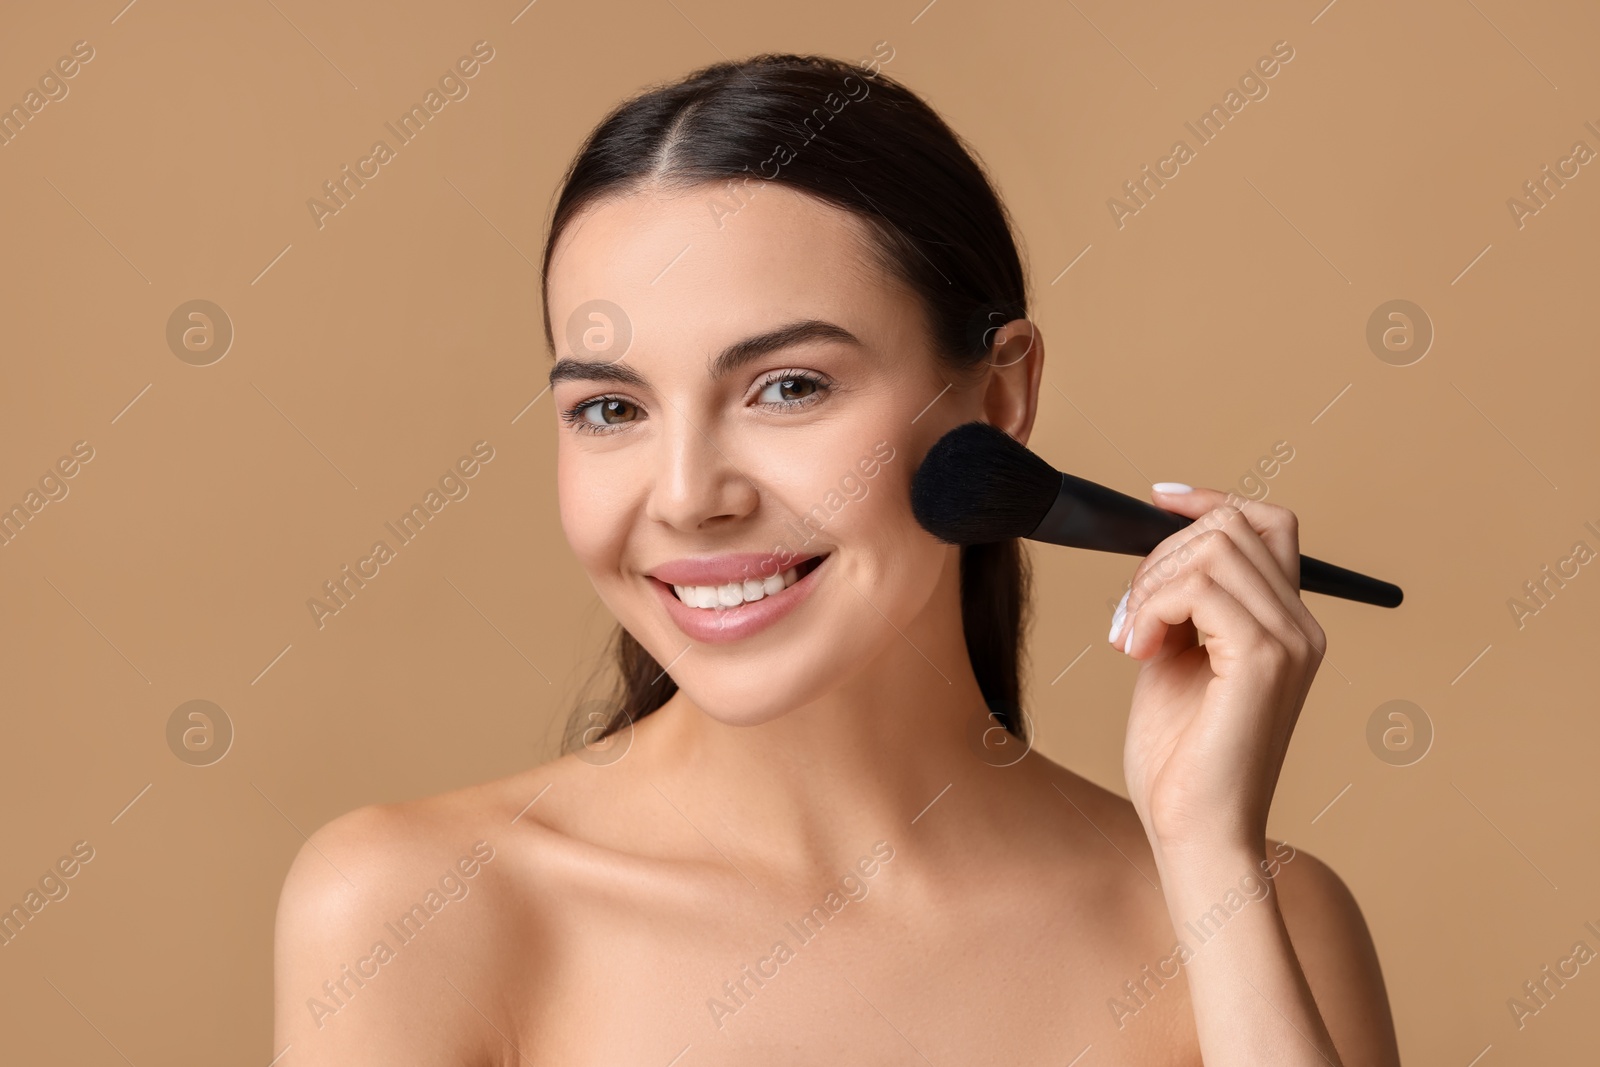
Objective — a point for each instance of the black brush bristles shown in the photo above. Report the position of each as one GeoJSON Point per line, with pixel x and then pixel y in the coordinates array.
{"type": "Point", "coordinates": [978, 485]}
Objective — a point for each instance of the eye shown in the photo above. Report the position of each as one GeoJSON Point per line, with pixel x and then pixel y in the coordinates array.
{"type": "Point", "coordinates": [788, 389]}
{"type": "Point", "coordinates": [601, 414]}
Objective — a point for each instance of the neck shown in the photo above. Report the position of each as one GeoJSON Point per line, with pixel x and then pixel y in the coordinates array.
{"type": "Point", "coordinates": [816, 786]}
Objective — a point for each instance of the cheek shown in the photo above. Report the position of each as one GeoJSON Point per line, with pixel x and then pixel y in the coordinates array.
{"type": "Point", "coordinates": [896, 562]}
{"type": "Point", "coordinates": [594, 522]}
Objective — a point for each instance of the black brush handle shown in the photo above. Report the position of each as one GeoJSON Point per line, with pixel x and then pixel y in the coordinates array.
{"type": "Point", "coordinates": [1088, 515]}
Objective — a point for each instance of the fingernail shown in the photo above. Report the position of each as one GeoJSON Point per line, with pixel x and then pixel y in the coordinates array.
{"type": "Point", "coordinates": [1117, 618]}
{"type": "Point", "coordinates": [1172, 487]}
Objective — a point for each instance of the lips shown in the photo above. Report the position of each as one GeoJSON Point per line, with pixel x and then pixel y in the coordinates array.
{"type": "Point", "coordinates": [722, 624]}
{"type": "Point", "coordinates": [722, 570]}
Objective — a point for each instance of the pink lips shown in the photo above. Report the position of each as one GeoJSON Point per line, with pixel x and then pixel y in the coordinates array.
{"type": "Point", "coordinates": [722, 625]}
{"type": "Point", "coordinates": [720, 570]}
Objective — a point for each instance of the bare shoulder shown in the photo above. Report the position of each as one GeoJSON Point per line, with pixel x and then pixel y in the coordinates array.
{"type": "Point", "coordinates": [392, 923]}
{"type": "Point", "coordinates": [1336, 952]}
{"type": "Point", "coordinates": [1325, 924]}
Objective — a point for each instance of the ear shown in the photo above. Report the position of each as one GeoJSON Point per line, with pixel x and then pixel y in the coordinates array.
{"type": "Point", "coordinates": [1015, 364]}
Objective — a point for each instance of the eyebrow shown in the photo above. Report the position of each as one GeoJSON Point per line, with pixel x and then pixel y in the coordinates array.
{"type": "Point", "coordinates": [719, 366]}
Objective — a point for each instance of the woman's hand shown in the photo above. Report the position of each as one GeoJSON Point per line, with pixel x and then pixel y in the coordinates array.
{"type": "Point", "coordinates": [1210, 723]}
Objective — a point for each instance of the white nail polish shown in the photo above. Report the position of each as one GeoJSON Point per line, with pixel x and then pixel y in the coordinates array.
{"type": "Point", "coordinates": [1172, 487]}
{"type": "Point", "coordinates": [1116, 618]}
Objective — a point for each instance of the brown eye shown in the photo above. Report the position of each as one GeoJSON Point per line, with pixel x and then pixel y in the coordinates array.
{"type": "Point", "coordinates": [787, 390]}
{"type": "Point", "coordinates": [609, 412]}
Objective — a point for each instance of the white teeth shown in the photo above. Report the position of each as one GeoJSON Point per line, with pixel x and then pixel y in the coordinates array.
{"type": "Point", "coordinates": [735, 593]}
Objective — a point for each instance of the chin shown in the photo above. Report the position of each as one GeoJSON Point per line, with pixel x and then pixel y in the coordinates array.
{"type": "Point", "coordinates": [753, 681]}
{"type": "Point", "coordinates": [763, 696]}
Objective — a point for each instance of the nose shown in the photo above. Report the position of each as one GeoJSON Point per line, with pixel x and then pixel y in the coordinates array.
{"type": "Point", "coordinates": [697, 485]}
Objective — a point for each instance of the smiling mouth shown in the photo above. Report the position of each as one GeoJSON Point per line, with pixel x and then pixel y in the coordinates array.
{"type": "Point", "coordinates": [735, 594]}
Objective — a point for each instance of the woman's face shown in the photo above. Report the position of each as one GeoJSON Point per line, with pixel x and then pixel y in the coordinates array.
{"type": "Point", "coordinates": [744, 399]}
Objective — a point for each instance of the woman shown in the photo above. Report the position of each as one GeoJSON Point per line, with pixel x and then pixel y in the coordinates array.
{"type": "Point", "coordinates": [791, 838]}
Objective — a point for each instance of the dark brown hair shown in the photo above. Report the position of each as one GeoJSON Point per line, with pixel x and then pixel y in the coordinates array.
{"type": "Point", "coordinates": [857, 139]}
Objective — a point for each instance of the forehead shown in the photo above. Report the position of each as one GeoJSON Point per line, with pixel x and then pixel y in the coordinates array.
{"type": "Point", "coordinates": [694, 267]}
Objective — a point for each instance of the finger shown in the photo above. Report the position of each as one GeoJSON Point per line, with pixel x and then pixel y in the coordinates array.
{"type": "Point", "coordinates": [1236, 639]}
{"type": "Point", "coordinates": [1217, 555]}
{"type": "Point", "coordinates": [1277, 526]}
{"type": "Point", "coordinates": [1230, 522]}
{"type": "Point", "coordinates": [1236, 524]}
{"type": "Point", "coordinates": [1167, 560]}
{"type": "Point", "coordinates": [1167, 552]}
{"type": "Point", "coordinates": [1235, 520]}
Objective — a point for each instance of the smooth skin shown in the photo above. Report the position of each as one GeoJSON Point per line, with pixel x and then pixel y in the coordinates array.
{"type": "Point", "coordinates": [832, 765]}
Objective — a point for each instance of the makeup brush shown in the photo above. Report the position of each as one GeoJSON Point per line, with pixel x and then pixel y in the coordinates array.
{"type": "Point", "coordinates": [978, 484]}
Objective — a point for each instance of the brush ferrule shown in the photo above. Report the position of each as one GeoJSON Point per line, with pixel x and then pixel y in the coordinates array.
{"type": "Point", "coordinates": [1088, 515]}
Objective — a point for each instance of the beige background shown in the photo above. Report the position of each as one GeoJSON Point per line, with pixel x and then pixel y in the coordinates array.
{"type": "Point", "coordinates": [368, 355]}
